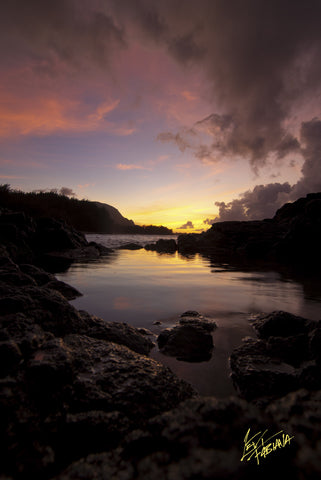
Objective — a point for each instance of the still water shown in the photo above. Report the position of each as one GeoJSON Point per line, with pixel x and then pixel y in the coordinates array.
{"type": "Point", "coordinates": [141, 287]}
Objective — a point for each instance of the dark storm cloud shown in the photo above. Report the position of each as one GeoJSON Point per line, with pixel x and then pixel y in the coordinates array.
{"type": "Point", "coordinates": [261, 57]}
{"type": "Point", "coordinates": [61, 30]}
{"type": "Point", "coordinates": [264, 200]}
{"type": "Point", "coordinates": [261, 202]}
{"type": "Point", "coordinates": [185, 49]}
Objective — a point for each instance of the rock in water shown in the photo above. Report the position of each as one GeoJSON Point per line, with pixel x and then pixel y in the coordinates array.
{"type": "Point", "coordinates": [190, 343]}
{"type": "Point", "coordinates": [162, 246]}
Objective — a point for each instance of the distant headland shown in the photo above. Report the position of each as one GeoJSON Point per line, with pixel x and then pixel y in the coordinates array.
{"type": "Point", "coordinates": [84, 215]}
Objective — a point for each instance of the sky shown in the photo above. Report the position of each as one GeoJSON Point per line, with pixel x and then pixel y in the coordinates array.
{"type": "Point", "coordinates": [176, 112]}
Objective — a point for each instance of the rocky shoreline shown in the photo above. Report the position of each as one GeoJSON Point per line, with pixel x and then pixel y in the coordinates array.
{"type": "Point", "coordinates": [81, 399]}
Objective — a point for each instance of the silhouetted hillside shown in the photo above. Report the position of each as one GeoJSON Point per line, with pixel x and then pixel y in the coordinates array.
{"type": "Point", "coordinates": [83, 215]}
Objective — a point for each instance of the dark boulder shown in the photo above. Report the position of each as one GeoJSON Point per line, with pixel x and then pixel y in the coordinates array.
{"type": "Point", "coordinates": [188, 342]}
{"type": "Point", "coordinates": [194, 318]}
{"type": "Point", "coordinates": [256, 374]}
{"type": "Point", "coordinates": [281, 324]}
{"type": "Point", "coordinates": [67, 291]}
{"type": "Point", "coordinates": [162, 246]}
{"type": "Point", "coordinates": [120, 333]}
{"type": "Point", "coordinates": [188, 243]}
{"type": "Point", "coordinates": [111, 377]}
{"type": "Point", "coordinates": [40, 276]}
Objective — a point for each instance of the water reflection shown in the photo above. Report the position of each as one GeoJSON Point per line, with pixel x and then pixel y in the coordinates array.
{"type": "Point", "coordinates": [141, 287]}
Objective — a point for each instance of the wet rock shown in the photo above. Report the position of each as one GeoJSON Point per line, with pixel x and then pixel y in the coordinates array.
{"type": "Point", "coordinates": [162, 246]}
{"type": "Point", "coordinates": [145, 331]}
{"type": "Point", "coordinates": [69, 292]}
{"type": "Point", "coordinates": [190, 343]}
{"type": "Point", "coordinates": [281, 324]}
{"type": "Point", "coordinates": [256, 374]}
{"type": "Point", "coordinates": [120, 333]}
{"type": "Point", "coordinates": [191, 313]}
{"type": "Point", "coordinates": [11, 274]}
{"type": "Point", "coordinates": [75, 387]}
{"type": "Point", "coordinates": [60, 261]}
{"type": "Point", "coordinates": [111, 377]}
{"type": "Point", "coordinates": [293, 350]}
{"type": "Point", "coordinates": [101, 248]}
{"type": "Point", "coordinates": [130, 246]}
{"type": "Point", "coordinates": [40, 276]}
{"type": "Point", "coordinates": [45, 307]}
{"type": "Point", "coordinates": [192, 318]}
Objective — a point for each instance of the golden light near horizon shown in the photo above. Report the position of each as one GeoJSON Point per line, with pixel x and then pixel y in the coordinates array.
{"type": "Point", "coordinates": [136, 114]}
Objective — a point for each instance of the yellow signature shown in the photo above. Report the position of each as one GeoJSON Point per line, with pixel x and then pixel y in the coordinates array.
{"type": "Point", "coordinates": [257, 446]}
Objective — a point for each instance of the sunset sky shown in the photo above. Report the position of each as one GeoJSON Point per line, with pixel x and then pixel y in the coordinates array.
{"type": "Point", "coordinates": [176, 112]}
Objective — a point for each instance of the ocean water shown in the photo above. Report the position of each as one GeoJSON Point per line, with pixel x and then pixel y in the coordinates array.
{"type": "Point", "coordinates": [142, 287]}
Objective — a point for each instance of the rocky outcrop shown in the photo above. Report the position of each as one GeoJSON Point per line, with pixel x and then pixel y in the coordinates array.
{"type": "Point", "coordinates": [284, 359]}
{"type": "Point", "coordinates": [293, 233]}
{"type": "Point", "coordinates": [190, 341]}
{"type": "Point", "coordinates": [162, 246]}
{"type": "Point", "coordinates": [49, 243]}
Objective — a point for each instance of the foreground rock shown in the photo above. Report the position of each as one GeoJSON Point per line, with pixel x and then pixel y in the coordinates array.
{"type": "Point", "coordinates": [190, 341]}
{"type": "Point", "coordinates": [286, 358]}
{"type": "Point", "coordinates": [204, 439]}
{"type": "Point", "coordinates": [294, 233]}
{"type": "Point", "coordinates": [70, 383]}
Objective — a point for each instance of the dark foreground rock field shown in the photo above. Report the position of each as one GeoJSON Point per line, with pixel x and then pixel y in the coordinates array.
{"type": "Point", "coordinates": [81, 399]}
